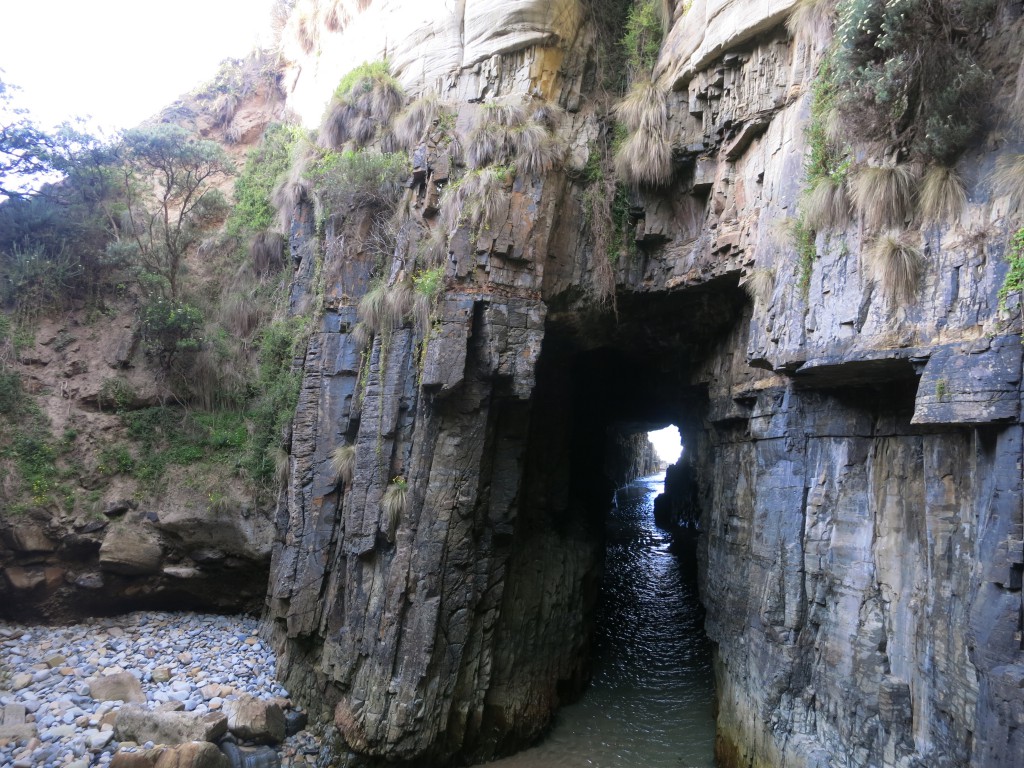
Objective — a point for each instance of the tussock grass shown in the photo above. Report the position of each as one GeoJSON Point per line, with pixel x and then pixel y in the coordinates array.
{"type": "Point", "coordinates": [760, 284]}
{"type": "Point", "coordinates": [373, 308]}
{"type": "Point", "coordinates": [282, 466]}
{"type": "Point", "coordinates": [1008, 178]}
{"type": "Point", "coordinates": [336, 16]}
{"type": "Point", "coordinates": [485, 145]}
{"type": "Point", "coordinates": [897, 264]}
{"type": "Point", "coordinates": [399, 299]}
{"type": "Point", "coordinates": [943, 195]}
{"type": "Point", "coordinates": [475, 200]}
{"type": "Point", "coordinates": [335, 129]}
{"type": "Point", "coordinates": [360, 335]}
{"type": "Point", "coordinates": [306, 30]}
{"type": "Point", "coordinates": [266, 252]}
{"type": "Point", "coordinates": [505, 115]}
{"type": "Point", "coordinates": [366, 99]}
{"type": "Point", "coordinates": [343, 463]}
{"type": "Point", "coordinates": [504, 134]}
{"type": "Point", "coordinates": [434, 249]}
{"type": "Point", "coordinates": [292, 188]}
{"type": "Point", "coordinates": [549, 115]}
{"type": "Point", "coordinates": [548, 154]}
{"type": "Point", "coordinates": [415, 121]}
{"type": "Point", "coordinates": [224, 108]}
{"type": "Point", "coordinates": [393, 504]}
{"type": "Point", "coordinates": [645, 106]}
{"type": "Point", "coordinates": [885, 194]}
{"type": "Point", "coordinates": [645, 157]}
{"type": "Point", "coordinates": [826, 206]}
{"type": "Point", "coordinates": [812, 21]}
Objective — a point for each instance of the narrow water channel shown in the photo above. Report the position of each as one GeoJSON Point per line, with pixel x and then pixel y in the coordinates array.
{"type": "Point", "coordinates": [650, 701]}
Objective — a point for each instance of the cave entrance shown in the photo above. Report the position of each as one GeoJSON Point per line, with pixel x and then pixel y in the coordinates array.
{"type": "Point", "coordinates": [602, 387]}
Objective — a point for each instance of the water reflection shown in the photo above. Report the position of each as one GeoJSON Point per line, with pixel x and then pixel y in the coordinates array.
{"type": "Point", "coordinates": [650, 700]}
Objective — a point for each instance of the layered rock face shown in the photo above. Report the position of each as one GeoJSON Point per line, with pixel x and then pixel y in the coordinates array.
{"type": "Point", "coordinates": [853, 465]}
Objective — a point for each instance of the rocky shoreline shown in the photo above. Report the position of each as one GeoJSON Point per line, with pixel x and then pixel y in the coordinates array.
{"type": "Point", "coordinates": [146, 689]}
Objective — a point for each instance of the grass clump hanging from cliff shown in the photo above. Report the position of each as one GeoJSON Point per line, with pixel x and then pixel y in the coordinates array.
{"type": "Point", "coordinates": [476, 200]}
{"type": "Point", "coordinates": [897, 265]}
{"type": "Point", "coordinates": [943, 195]}
{"type": "Point", "coordinates": [343, 462]}
{"type": "Point", "coordinates": [504, 134]}
{"type": "Point", "coordinates": [415, 121]}
{"type": "Point", "coordinates": [644, 158]}
{"type": "Point", "coordinates": [885, 194]}
{"type": "Point", "coordinates": [393, 504]}
{"type": "Point", "coordinates": [825, 204]}
{"type": "Point", "coordinates": [365, 102]}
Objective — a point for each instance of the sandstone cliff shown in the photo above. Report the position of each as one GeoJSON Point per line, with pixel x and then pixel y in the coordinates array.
{"type": "Point", "coordinates": [853, 462]}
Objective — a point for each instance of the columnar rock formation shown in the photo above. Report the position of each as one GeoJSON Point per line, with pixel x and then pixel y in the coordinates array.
{"type": "Point", "coordinates": [855, 464]}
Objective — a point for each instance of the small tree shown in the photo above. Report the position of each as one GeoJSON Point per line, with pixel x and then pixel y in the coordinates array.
{"type": "Point", "coordinates": [25, 149]}
{"type": "Point", "coordinates": [167, 177]}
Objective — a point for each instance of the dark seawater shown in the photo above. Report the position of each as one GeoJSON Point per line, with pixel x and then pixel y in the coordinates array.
{"type": "Point", "coordinates": [650, 700]}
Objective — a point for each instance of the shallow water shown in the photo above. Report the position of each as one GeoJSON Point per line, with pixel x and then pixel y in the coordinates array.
{"type": "Point", "coordinates": [650, 700]}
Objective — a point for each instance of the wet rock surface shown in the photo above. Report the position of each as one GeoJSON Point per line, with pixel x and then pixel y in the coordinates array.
{"type": "Point", "coordinates": [204, 689]}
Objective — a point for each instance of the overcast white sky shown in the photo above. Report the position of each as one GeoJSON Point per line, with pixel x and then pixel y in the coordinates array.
{"type": "Point", "coordinates": [119, 61]}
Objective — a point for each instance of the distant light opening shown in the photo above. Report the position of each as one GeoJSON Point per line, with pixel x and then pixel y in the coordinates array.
{"type": "Point", "coordinates": [667, 443]}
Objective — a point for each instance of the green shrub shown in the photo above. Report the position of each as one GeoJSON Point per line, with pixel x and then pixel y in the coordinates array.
{"type": "Point", "coordinates": [645, 26]}
{"type": "Point", "coordinates": [352, 179]}
{"type": "Point", "coordinates": [11, 396]}
{"type": "Point", "coordinates": [116, 460]}
{"type": "Point", "coordinates": [116, 393]}
{"type": "Point", "coordinates": [277, 389]}
{"type": "Point", "coordinates": [169, 328]}
{"type": "Point", "coordinates": [264, 166]}
{"type": "Point", "coordinates": [908, 75]}
{"type": "Point", "coordinates": [429, 282]}
{"type": "Point", "coordinates": [1014, 280]}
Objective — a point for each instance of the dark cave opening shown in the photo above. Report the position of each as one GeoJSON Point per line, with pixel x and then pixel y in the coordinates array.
{"type": "Point", "coordinates": [600, 385]}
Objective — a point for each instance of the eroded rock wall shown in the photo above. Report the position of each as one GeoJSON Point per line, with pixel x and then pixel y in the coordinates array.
{"type": "Point", "coordinates": [854, 466]}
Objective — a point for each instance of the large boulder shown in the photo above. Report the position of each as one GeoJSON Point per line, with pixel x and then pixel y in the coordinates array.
{"type": "Point", "coordinates": [131, 550]}
{"type": "Point", "coordinates": [193, 754]}
{"type": "Point", "coordinates": [140, 724]}
{"type": "Point", "coordinates": [121, 686]}
{"type": "Point", "coordinates": [252, 719]}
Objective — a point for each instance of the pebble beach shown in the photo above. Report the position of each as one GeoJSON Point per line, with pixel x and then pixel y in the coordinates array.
{"type": "Point", "coordinates": [49, 677]}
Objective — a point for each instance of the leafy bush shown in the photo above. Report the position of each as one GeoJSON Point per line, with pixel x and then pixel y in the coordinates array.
{"type": "Point", "coordinates": [277, 389]}
{"type": "Point", "coordinates": [265, 164]}
{"type": "Point", "coordinates": [169, 328]}
{"type": "Point", "coordinates": [116, 393]}
{"type": "Point", "coordinates": [908, 76]}
{"type": "Point", "coordinates": [11, 396]}
{"type": "Point", "coordinates": [352, 179]}
{"type": "Point", "coordinates": [646, 23]}
{"type": "Point", "coordinates": [1014, 280]}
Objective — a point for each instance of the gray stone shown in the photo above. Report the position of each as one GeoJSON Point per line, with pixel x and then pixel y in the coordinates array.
{"type": "Point", "coordinates": [120, 686]}
{"type": "Point", "coordinates": [256, 720]}
{"type": "Point", "coordinates": [140, 724]}
{"type": "Point", "coordinates": [132, 550]}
